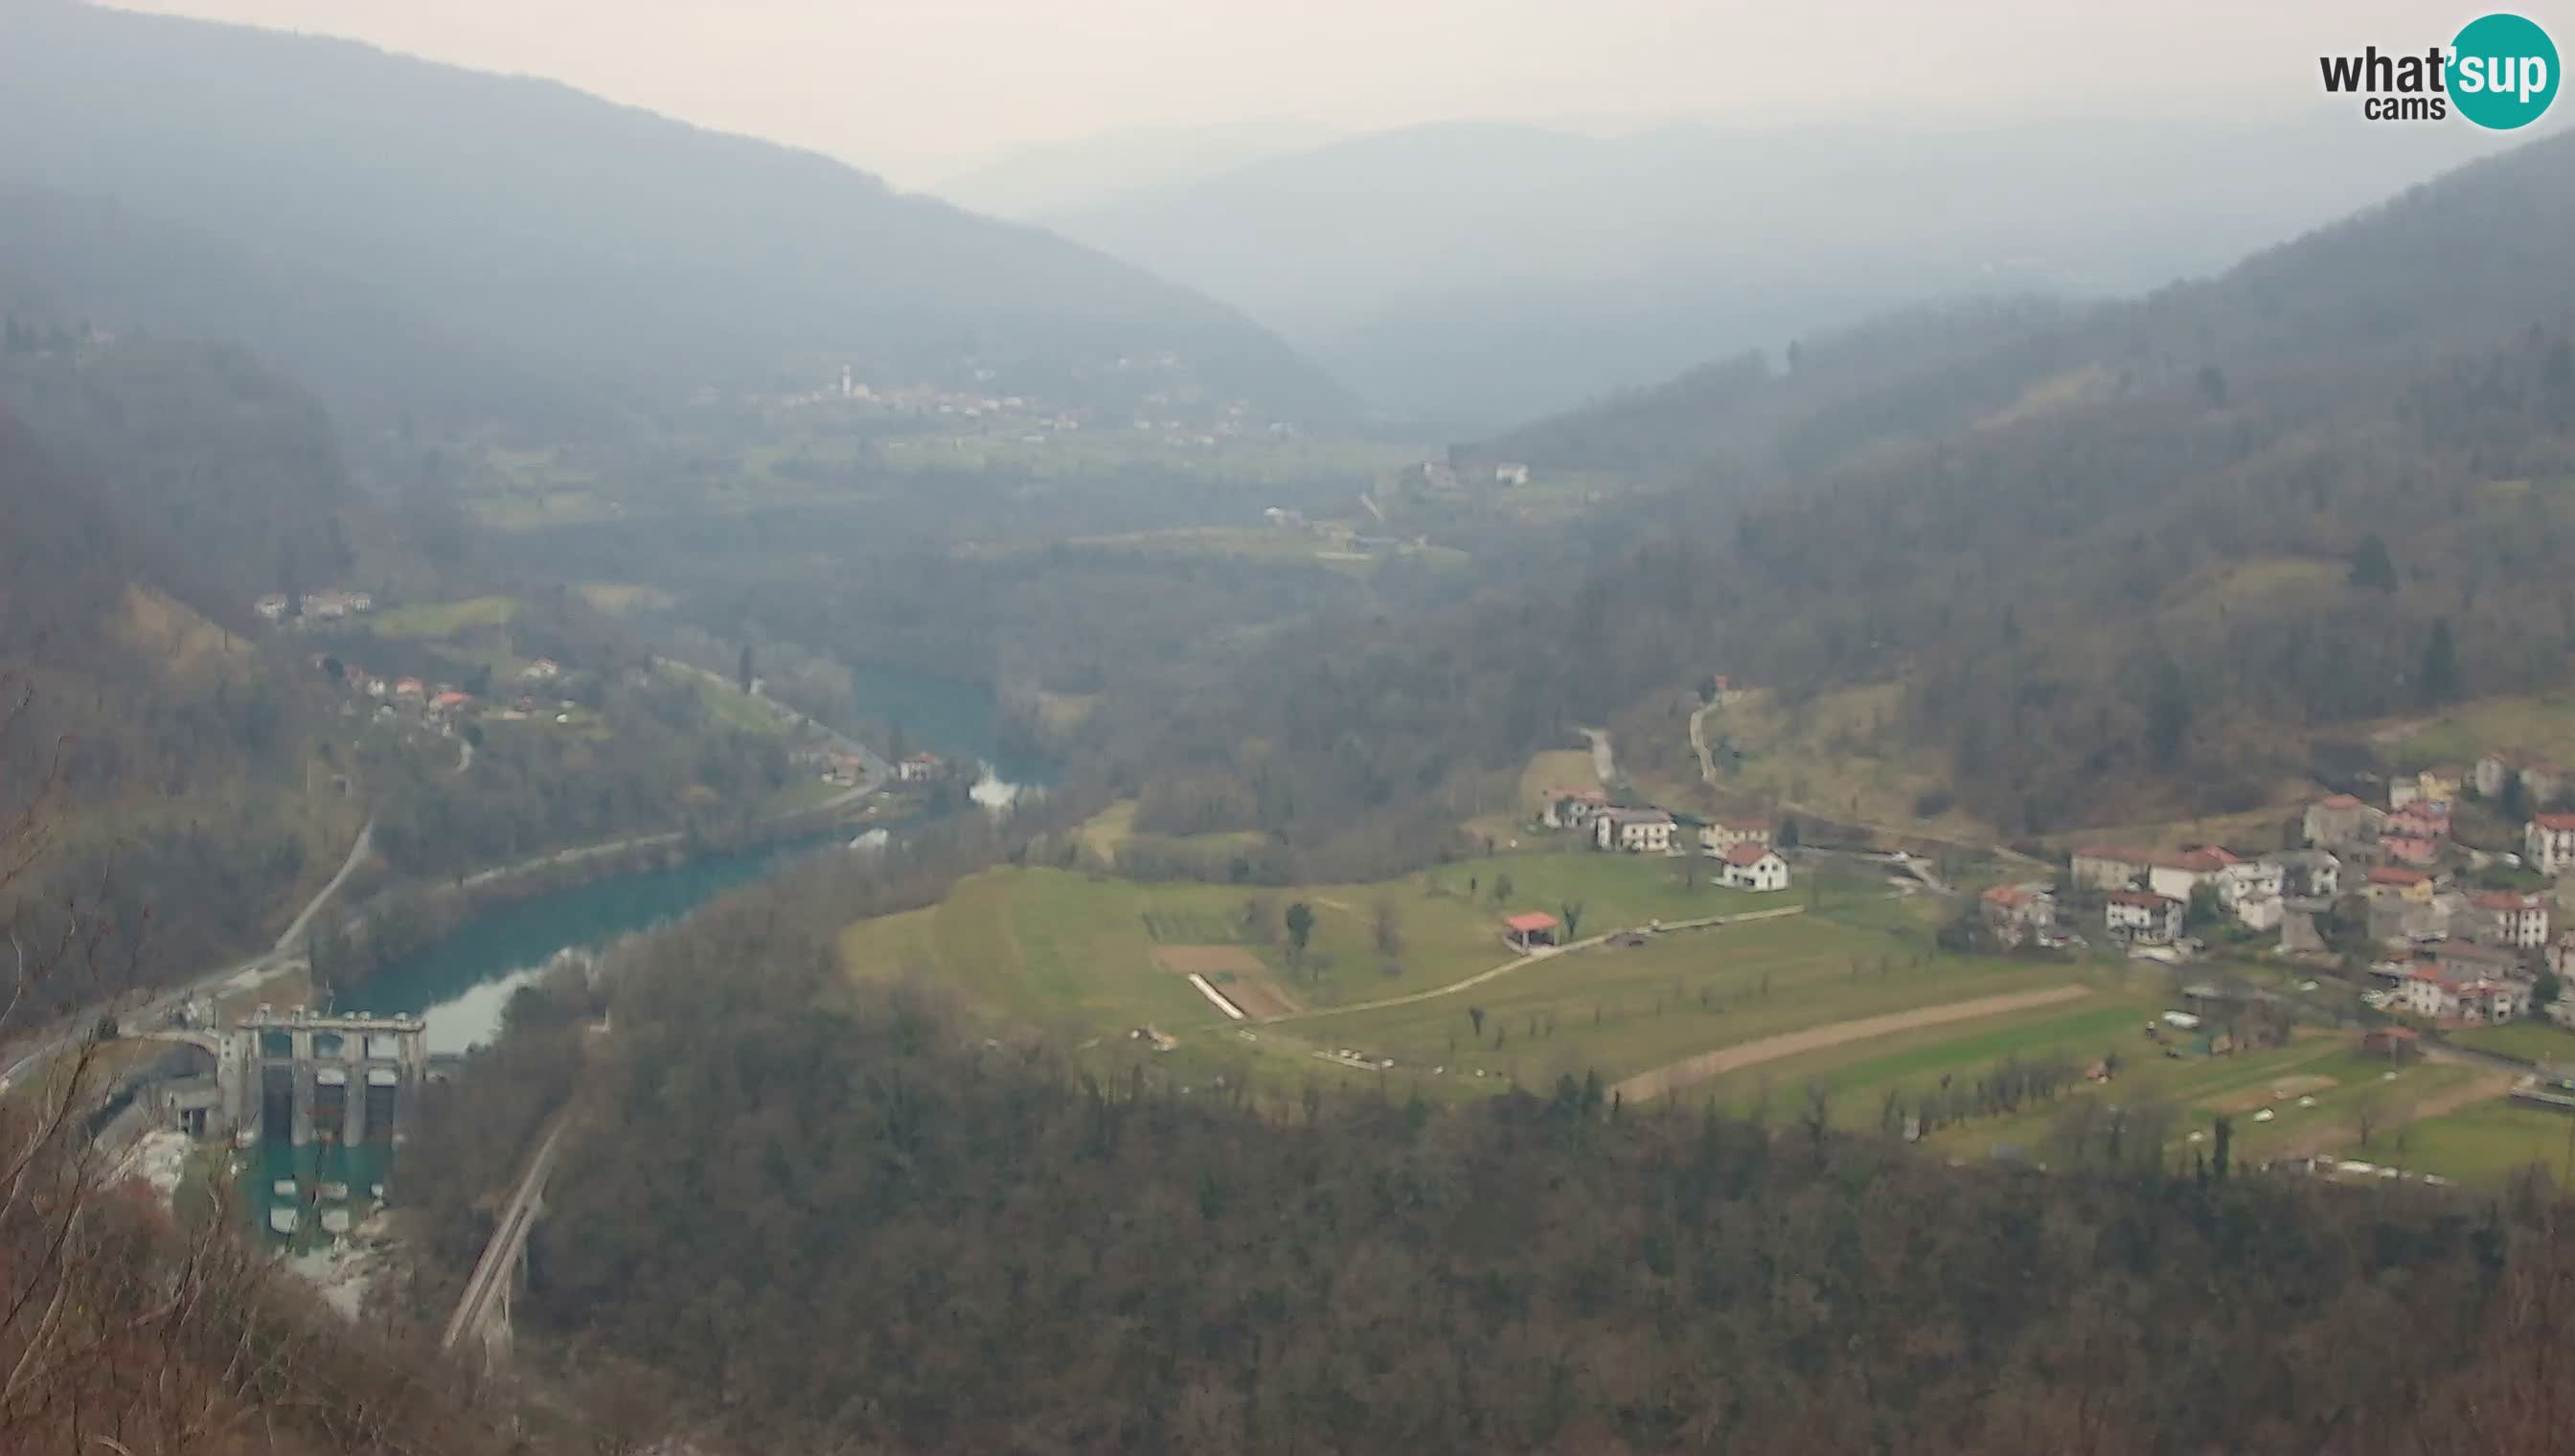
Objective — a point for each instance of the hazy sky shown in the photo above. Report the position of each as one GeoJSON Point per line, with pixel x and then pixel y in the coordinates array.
{"type": "Point", "coordinates": [922, 89]}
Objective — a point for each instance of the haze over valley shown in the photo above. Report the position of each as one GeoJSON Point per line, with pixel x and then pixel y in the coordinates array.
{"type": "Point", "coordinates": [727, 731]}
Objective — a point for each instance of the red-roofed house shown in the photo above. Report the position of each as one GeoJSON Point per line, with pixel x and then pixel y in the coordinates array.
{"type": "Point", "coordinates": [2548, 842]}
{"type": "Point", "coordinates": [1530, 930]}
{"type": "Point", "coordinates": [411, 687]}
{"type": "Point", "coordinates": [2447, 994]}
{"type": "Point", "coordinates": [2408, 844]}
{"type": "Point", "coordinates": [2507, 917]}
{"type": "Point", "coordinates": [2020, 913]}
{"type": "Point", "coordinates": [2143, 917]}
{"type": "Point", "coordinates": [1571, 809]}
{"type": "Point", "coordinates": [1755, 867]}
{"type": "Point", "coordinates": [2397, 881]}
{"type": "Point", "coordinates": [2431, 814]}
{"type": "Point", "coordinates": [449, 702]}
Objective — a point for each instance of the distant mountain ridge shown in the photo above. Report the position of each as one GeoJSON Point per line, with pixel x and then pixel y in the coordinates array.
{"type": "Point", "coordinates": [1480, 273]}
{"type": "Point", "coordinates": [2461, 257]}
{"type": "Point", "coordinates": [1033, 182]}
{"type": "Point", "coordinates": [585, 240]}
{"type": "Point", "coordinates": [2024, 566]}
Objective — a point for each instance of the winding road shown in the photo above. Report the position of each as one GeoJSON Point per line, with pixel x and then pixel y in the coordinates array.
{"type": "Point", "coordinates": [358, 852]}
{"type": "Point", "coordinates": [152, 1012]}
{"type": "Point", "coordinates": [1533, 957]}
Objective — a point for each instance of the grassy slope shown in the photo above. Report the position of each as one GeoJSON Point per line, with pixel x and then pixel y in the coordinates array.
{"type": "Point", "coordinates": [1075, 951]}
{"type": "Point", "coordinates": [2527, 1040]}
{"type": "Point", "coordinates": [1051, 943]}
{"type": "Point", "coordinates": [1836, 756]}
{"type": "Point", "coordinates": [197, 658]}
{"type": "Point", "coordinates": [1551, 770]}
{"type": "Point", "coordinates": [1621, 1010]}
{"type": "Point", "coordinates": [444, 619]}
{"type": "Point", "coordinates": [2489, 1142]}
{"type": "Point", "coordinates": [2539, 723]}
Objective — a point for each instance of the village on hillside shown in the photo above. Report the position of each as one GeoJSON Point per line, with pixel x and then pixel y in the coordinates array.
{"type": "Point", "coordinates": [2452, 934]}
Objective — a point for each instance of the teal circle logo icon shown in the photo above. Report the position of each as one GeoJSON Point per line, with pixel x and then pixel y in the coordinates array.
{"type": "Point", "coordinates": [2503, 72]}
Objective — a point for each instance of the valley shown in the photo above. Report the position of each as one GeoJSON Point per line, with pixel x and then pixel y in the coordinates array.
{"type": "Point", "coordinates": [1484, 786]}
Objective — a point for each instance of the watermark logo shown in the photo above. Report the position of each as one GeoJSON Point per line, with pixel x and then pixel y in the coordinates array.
{"type": "Point", "coordinates": [2500, 72]}
{"type": "Point", "coordinates": [2503, 71]}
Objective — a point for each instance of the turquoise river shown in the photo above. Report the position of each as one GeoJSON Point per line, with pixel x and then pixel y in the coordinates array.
{"type": "Point", "coordinates": [459, 982]}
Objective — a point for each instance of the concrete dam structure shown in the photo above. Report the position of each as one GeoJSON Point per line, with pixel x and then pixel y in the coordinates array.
{"type": "Point", "coordinates": [312, 1077]}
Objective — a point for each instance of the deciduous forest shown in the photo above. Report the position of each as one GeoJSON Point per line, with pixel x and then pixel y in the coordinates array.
{"type": "Point", "coordinates": [868, 1222]}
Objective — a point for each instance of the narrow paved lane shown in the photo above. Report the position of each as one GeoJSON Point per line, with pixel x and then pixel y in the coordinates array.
{"type": "Point", "coordinates": [1533, 957]}
{"type": "Point", "coordinates": [287, 942]}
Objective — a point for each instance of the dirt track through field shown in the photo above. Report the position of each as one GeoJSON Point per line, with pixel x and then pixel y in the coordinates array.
{"type": "Point", "coordinates": [1665, 1079]}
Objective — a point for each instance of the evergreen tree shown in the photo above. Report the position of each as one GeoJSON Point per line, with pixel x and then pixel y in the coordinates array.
{"type": "Point", "coordinates": [2440, 680]}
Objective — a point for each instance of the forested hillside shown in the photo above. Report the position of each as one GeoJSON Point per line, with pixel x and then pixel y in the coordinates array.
{"type": "Point", "coordinates": [2113, 561]}
{"type": "Point", "coordinates": [869, 1226]}
{"type": "Point", "coordinates": [235, 473]}
{"type": "Point", "coordinates": [180, 797]}
{"type": "Point", "coordinates": [79, 262]}
{"type": "Point", "coordinates": [588, 241]}
{"type": "Point", "coordinates": [2356, 288]}
{"type": "Point", "coordinates": [1740, 421]}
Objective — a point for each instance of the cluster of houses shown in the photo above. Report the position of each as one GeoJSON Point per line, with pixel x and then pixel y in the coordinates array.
{"type": "Point", "coordinates": [2458, 953]}
{"type": "Point", "coordinates": [393, 696]}
{"type": "Point", "coordinates": [2149, 893]}
{"type": "Point", "coordinates": [1746, 860]}
{"type": "Point", "coordinates": [440, 704]}
{"type": "Point", "coordinates": [330, 605]}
